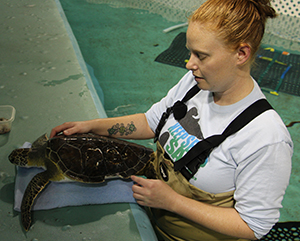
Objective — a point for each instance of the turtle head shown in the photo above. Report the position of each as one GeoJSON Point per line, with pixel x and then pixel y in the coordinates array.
{"type": "Point", "coordinates": [19, 157]}
{"type": "Point", "coordinates": [30, 156]}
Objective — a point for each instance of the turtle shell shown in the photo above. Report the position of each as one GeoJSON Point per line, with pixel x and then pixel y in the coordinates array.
{"type": "Point", "coordinates": [90, 158]}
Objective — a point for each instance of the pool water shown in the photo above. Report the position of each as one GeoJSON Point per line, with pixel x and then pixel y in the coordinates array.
{"type": "Point", "coordinates": [120, 44]}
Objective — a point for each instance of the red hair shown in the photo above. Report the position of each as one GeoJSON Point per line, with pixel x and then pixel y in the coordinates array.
{"type": "Point", "coordinates": [236, 21]}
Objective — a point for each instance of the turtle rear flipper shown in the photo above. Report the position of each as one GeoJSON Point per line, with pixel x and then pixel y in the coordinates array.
{"type": "Point", "coordinates": [36, 185]}
{"type": "Point", "coordinates": [149, 170]}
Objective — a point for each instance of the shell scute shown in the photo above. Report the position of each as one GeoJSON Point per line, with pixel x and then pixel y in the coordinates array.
{"type": "Point", "coordinates": [70, 158]}
{"type": "Point", "coordinates": [93, 164]}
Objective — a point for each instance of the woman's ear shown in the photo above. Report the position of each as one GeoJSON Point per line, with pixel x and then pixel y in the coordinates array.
{"type": "Point", "coordinates": [244, 53]}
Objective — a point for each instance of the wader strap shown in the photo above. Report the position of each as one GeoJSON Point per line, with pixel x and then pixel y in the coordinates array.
{"type": "Point", "coordinates": [189, 164]}
{"type": "Point", "coordinates": [179, 110]}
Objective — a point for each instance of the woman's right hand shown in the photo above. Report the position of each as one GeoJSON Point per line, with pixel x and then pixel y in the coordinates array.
{"type": "Point", "coordinates": [69, 128]}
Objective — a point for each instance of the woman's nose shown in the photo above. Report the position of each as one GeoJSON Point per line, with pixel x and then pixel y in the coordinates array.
{"type": "Point", "coordinates": [191, 64]}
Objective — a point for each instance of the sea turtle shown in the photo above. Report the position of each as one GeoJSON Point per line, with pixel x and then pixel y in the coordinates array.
{"type": "Point", "coordinates": [86, 158]}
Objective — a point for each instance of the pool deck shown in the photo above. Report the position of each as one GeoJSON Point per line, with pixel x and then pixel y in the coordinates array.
{"type": "Point", "coordinates": [44, 78]}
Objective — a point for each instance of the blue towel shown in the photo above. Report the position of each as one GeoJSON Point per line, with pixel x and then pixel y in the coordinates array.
{"type": "Point", "coordinates": [62, 194]}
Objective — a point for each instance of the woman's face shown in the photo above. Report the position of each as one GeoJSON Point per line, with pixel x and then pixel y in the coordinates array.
{"type": "Point", "coordinates": [213, 64]}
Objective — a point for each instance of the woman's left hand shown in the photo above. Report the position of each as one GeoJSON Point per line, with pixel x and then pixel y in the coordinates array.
{"type": "Point", "coordinates": [153, 193]}
{"type": "Point", "coordinates": [157, 194]}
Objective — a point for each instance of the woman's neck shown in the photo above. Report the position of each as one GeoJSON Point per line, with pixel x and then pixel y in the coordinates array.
{"type": "Point", "coordinates": [237, 92]}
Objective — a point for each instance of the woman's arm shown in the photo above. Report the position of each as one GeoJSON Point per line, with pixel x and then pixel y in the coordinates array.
{"type": "Point", "coordinates": [157, 194]}
{"type": "Point", "coordinates": [127, 127]}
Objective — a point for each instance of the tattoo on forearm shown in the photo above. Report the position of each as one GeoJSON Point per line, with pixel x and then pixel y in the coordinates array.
{"type": "Point", "coordinates": [120, 128]}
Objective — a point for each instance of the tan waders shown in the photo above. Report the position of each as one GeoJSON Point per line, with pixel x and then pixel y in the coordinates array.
{"type": "Point", "coordinates": [174, 227]}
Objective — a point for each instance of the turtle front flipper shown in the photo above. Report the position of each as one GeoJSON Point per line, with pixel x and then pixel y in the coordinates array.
{"type": "Point", "coordinates": [36, 185]}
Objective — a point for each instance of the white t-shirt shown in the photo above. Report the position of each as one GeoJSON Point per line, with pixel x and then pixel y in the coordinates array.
{"type": "Point", "coordinates": [255, 161]}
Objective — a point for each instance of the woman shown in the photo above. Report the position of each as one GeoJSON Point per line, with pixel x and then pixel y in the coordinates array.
{"type": "Point", "coordinates": [237, 191]}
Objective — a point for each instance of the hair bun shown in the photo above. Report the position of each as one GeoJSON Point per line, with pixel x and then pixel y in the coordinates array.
{"type": "Point", "coordinates": [264, 8]}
